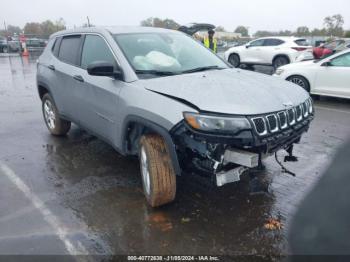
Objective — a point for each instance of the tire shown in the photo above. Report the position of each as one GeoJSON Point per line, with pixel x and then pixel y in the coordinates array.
{"type": "Point", "coordinates": [280, 61]}
{"type": "Point", "coordinates": [234, 60]}
{"type": "Point", "coordinates": [4, 49]}
{"type": "Point", "coordinates": [300, 81]}
{"type": "Point", "coordinates": [157, 171]}
{"type": "Point", "coordinates": [56, 125]}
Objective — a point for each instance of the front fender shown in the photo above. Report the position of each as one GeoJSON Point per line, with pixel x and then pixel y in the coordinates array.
{"type": "Point", "coordinates": [157, 129]}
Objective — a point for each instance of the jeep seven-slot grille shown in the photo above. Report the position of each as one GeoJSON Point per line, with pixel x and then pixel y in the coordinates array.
{"type": "Point", "coordinates": [274, 122]}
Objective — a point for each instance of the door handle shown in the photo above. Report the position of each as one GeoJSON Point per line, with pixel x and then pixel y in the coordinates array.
{"type": "Point", "coordinates": [52, 67]}
{"type": "Point", "coordinates": [78, 78]}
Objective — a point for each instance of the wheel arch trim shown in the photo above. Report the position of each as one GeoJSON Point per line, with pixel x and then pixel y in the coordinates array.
{"type": "Point", "coordinates": [157, 129]}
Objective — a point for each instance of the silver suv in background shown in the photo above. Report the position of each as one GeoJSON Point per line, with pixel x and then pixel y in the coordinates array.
{"type": "Point", "coordinates": [162, 96]}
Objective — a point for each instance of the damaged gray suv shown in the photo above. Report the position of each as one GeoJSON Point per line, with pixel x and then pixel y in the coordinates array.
{"type": "Point", "coordinates": [162, 96]}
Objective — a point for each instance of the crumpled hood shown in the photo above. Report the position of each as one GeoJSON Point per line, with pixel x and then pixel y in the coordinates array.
{"type": "Point", "coordinates": [230, 91]}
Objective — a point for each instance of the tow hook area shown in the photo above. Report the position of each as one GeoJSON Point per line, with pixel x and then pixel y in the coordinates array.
{"type": "Point", "coordinates": [245, 159]}
{"type": "Point", "coordinates": [230, 176]}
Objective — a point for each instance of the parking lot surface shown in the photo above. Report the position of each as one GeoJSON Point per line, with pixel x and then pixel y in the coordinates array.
{"type": "Point", "coordinates": [76, 195]}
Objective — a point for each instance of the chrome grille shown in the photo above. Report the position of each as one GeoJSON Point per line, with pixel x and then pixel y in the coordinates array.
{"type": "Point", "coordinates": [282, 119]}
{"type": "Point", "coordinates": [272, 121]}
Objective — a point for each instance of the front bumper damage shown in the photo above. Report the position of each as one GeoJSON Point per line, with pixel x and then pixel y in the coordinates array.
{"type": "Point", "coordinates": [225, 158]}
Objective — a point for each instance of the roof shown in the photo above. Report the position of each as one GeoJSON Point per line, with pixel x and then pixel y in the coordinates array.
{"type": "Point", "coordinates": [114, 30]}
{"type": "Point", "coordinates": [282, 37]}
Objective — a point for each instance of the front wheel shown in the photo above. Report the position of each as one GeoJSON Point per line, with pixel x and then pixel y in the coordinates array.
{"type": "Point", "coordinates": [56, 125]}
{"type": "Point", "coordinates": [158, 175]}
{"type": "Point", "coordinates": [300, 81]}
{"type": "Point", "coordinates": [234, 60]}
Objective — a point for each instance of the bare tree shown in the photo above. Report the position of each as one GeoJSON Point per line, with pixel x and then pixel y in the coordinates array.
{"type": "Point", "coordinates": [334, 25]}
{"type": "Point", "coordinates": [303, 31]}
{"type": "Point", "coordinates": [158, 22]}
{"type": "Point", "coordinates": [243, 30]}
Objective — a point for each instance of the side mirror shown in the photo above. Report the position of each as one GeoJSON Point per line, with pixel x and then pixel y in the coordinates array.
{"type": "Point", "coordinates": [327, 63]}
{"type": "Point", "coordinates": [247, 46]}
{"type": "Point", "coordinates": [101, 68]}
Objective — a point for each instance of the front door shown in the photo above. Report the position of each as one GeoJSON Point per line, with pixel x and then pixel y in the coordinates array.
{"type": "Point", "coordinates": [98, 95]}
{"type": "Point", "coordinates": [334, 79]}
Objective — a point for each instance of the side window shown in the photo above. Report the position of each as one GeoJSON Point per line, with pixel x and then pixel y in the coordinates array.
{"type": "Point", "coordinates": [95, 49]}
{"type": "Point", "coordinates": [69, 49]}
{"type": "Point", "coordinates": [56, 46]}
{"type": "Point", "coordinates": [273, 42]}
{"type": "Point", "coordinates": [258, 42]}
{"type": "Point", "coordinates": [343, 60]}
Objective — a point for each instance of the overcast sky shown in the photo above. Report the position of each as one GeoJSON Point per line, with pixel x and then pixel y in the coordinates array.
{"type": "Point", "coordinates": [256, 14]}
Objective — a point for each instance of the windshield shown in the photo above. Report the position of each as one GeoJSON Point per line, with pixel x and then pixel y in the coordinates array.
{"type": "Point", "coordinates": [166, 53]}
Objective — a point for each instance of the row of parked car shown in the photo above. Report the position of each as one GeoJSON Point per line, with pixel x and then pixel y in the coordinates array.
{"type": "Point", "coordinates": [32, 44]}
{"type": "Point", "coordinates": [323, 70]}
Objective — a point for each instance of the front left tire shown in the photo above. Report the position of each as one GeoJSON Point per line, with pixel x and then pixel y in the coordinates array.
{"type": "Point", "coordinates": [157, 171]}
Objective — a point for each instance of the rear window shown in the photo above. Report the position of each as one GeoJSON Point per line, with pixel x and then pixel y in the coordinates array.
{"type": "Point", "coordinates": [301, 42]}
{"type": "Point", "coordinates": [69, 49]}
{"type": "Point", "coordinates": [273, 42]}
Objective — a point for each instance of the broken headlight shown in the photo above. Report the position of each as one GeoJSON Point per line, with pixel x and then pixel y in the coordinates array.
{"type": "Point", "coordinates": [220, 124]}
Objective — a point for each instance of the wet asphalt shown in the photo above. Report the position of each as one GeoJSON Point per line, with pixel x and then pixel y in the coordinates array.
{"type": "Point", "coordinates": [76, 195]}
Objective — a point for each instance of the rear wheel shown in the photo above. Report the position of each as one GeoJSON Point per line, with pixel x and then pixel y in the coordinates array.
{"type": "Point", "coordinates": [54, 123]}
{"type": "Point", "coordinates": [280, 61]}
{"type": "Point", "coordinates": [158, 175]}
{"type": "Point", "coordinates": [234, 60]}
{"type": "Point", "coordinates": [300, 81]}
{"type": "Point", "coordinates": [4, 49]}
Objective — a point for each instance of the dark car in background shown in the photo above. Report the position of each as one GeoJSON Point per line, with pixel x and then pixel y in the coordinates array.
{"type": "Point", "coordinates": [3, 45]}
{"type": "Point", "coordinates": [35, 44]}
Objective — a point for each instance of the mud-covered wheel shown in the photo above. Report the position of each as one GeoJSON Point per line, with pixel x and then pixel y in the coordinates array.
{"type": "Point", "coordinates": [157, 171]}
{"type": "Point", "coordinates": [56, 125]}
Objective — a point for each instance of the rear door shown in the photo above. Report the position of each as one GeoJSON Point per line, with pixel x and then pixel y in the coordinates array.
{"type": "Point", "coordinates": [335, 78]}
{"type": "Point", "coordinates": [270, 49]}
{"type": "Point", "coordinates": [98, 95]}
{"type": "Point", "coordinates": [65, 68]}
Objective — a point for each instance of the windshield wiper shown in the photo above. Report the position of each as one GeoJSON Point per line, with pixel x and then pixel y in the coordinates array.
{"type": "Point", "coordinates": [155, 72]}
{"type": "Point", "coordinates": [202, 68]}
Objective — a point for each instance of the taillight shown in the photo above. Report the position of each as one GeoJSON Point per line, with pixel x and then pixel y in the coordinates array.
{"type": "Point", "coordinates": [299, 48]}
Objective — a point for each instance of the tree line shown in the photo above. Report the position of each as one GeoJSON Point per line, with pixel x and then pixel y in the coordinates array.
{"type": "Point", "coordinates": [45, 28]}
{"type": "Point", "coordinates": [332, 26]}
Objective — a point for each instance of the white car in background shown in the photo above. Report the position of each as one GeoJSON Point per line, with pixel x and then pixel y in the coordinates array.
{"type": "Point", "coordinates": [329, 76]}
{"type": "Point", "coordinates": [275, 51]}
